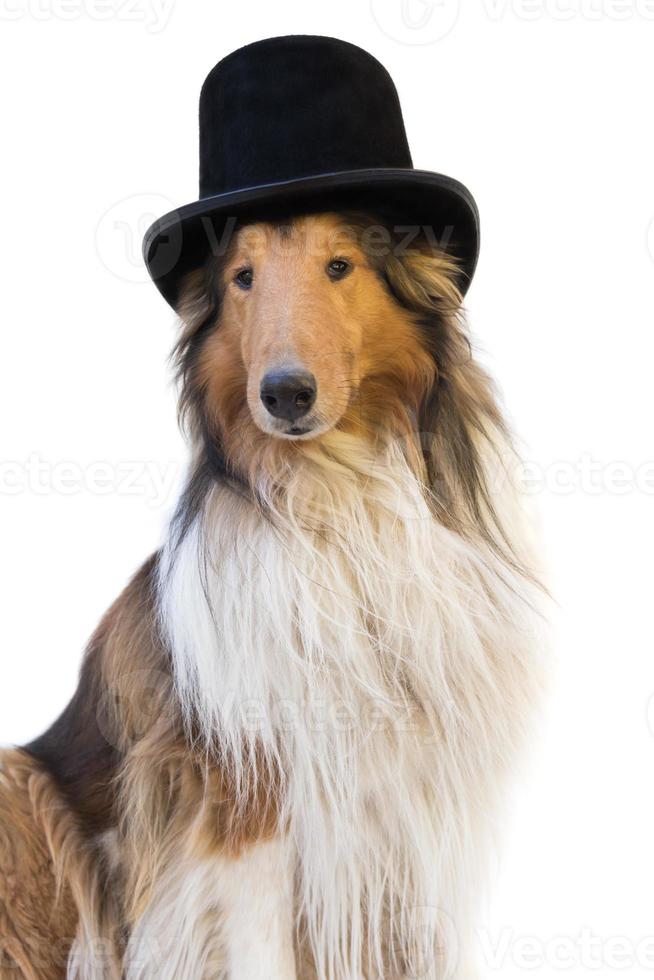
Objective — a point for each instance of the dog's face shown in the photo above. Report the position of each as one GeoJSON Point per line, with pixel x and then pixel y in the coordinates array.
{"type": "Point", "coordinates": [300, 298]}
{"type": "Point", "coordinates": [306, 325]}
{"type": "Point", "coordinates": [323, 323]}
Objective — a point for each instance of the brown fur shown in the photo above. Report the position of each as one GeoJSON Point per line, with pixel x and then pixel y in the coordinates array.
{"type": "Point", "coordinates": [38, 919]}
{"type": "Point", "coordinates": [389, 353]}
{"type": "Point", "coordinates": [162, 793]}
{"type": "Point", "coordinates": [366, 352]}
{"type": "Point", "coordinates": [387, 346]}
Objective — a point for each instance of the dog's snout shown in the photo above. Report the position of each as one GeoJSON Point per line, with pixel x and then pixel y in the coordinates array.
{"type": "Point", "coordinates": [288, 393]}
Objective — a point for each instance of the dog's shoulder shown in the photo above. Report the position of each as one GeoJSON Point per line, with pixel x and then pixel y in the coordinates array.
{"type": "Point", "coordinates": [83, 749]}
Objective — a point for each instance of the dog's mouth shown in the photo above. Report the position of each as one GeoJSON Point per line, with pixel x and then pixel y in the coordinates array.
{"type": "Point", "coordinates": [305, 430]}
{"type": "Point", "coordinates": [301, 430]}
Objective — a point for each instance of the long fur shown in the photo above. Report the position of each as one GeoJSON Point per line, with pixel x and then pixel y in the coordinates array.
{"type": "Point", "coordinates": [339, 650]}
{"type": "Point", "coordinates": [397, 660]}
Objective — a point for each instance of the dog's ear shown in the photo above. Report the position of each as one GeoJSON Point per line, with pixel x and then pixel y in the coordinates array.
{"type": "Point", "coordinates": [459, 419]}
{"type": "Point", "coordinates": [199, 299]}
{"type": "Point", "coordinates": [424, 278]}
{"type": "Point", "coordinates": [199, 313]}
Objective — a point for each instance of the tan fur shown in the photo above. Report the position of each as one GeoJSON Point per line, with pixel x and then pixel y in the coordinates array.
{"type": "Point", "coordinates": [363, 349]}
{"type": "Point", "coordinates": [167, 791]}
{"type": "Point", "coordinates": [38, 919]}
{"type": "Point", "coordinates": [55, 885]}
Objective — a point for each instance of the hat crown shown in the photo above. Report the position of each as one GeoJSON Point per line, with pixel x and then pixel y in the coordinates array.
{"type": "Point", "coordinates": [291, 107]}
{"type": "Point", "coordinates": [296, 125]}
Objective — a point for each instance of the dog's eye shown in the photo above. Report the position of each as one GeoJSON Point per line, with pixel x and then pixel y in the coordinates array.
{"type": "Point", "coordinates": [338, 268]}
{"type": "Point", "coordinates": [244, 278]}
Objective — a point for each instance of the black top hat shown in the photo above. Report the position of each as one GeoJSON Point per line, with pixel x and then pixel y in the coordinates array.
{"type": "Point", "coordinates": [294, 124]}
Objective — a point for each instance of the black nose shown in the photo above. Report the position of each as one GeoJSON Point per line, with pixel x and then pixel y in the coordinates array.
{"type": "Point", "coordinates": [288, 394]}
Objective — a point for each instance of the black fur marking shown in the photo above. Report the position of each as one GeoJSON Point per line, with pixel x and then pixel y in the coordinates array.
{"type": "Point", "coordinates": [76, 752]}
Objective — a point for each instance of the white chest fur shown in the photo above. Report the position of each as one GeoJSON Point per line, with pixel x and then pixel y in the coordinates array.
{"type": "Point", "coordinates": [387, 666]}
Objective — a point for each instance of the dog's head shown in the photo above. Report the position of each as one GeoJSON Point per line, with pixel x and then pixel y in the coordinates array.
{"type": "Point", "coordinates": [306, 323]}
{"type": "Point", "coordinates": [331, 323]}
{"type": "Point", "coordinates": [313, 324]}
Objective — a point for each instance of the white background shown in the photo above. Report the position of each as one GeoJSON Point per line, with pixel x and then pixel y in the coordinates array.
{"type": "Point", "coordinates": [544, 109]}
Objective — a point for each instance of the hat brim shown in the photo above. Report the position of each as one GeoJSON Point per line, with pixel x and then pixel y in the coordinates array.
{"type": "Point", "coordinates": [442, 207]}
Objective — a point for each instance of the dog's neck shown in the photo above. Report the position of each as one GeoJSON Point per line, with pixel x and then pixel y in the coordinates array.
{"type": "Point", "coordinates": [344, 528]}
{"type": "Point", "coordinates": [338, 632]}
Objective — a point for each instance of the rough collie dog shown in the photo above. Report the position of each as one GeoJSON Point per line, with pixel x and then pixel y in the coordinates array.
{"type": "Point", "coordinates": [290, 737]}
